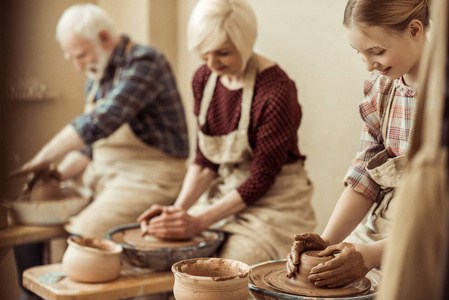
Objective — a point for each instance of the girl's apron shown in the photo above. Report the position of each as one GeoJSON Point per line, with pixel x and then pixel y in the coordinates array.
{"type": "Point", "coordinates": [386, 172]}
{"type": "Point", "coordinates": [126, 176]}
{"type": "Point", "coordinates": [265, 229]}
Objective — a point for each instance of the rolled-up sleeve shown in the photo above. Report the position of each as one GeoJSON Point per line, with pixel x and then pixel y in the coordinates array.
{"type": "Point", "coordinates": [370, 144]}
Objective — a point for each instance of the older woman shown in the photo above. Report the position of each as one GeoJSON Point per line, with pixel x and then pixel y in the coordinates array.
{"type": "Point", "coordinates": [248, 176]}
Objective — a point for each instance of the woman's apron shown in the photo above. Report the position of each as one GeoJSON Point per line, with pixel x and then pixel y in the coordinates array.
{"type": "Point", "coordinates": [126, 176]}
{"type": "Point", "coordinates": [386, 172]}
{"type": "Point", "coordinates": [268, 225]}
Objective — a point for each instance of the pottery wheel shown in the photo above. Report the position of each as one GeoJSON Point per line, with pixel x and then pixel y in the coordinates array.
{"type": "Point", "coordinates": [133, 237]}
{"type": "Point", "coordinates": [277, 279]}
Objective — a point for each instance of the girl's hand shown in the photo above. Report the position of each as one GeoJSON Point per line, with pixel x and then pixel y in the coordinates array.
{"type": "Point", "coordinates": [175, 223]}
{"type": "Point", "coordinates": [349, 266]}
{"type": "Point", "coordinates": [303, 242]}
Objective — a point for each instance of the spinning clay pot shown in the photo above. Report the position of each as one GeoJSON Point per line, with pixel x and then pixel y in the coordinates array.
{"type": "Point", "coordinates": [46, 189]}
{"type": "Point", "coordinates": [210, 278]}
{"type": "Point", "coordinates": [91, 260]}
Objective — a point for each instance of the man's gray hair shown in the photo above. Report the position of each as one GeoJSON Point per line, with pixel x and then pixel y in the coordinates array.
{"type": "Point", "coordinates": [87, 20]}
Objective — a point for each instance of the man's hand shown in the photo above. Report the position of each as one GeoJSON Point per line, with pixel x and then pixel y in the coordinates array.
{"type": "Point", "coordinates": [303, 242]}
{"type": "Point", "coordinates": [46, 173]}
{"type": "Point", "coordinates": [30, 167]}
{"type": "Point", "coordinates": [345, 268]}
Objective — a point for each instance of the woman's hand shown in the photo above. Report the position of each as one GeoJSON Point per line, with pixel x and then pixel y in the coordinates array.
{"type": "Point", "coordinates": [170, 222]}
{"type": "Point", "coordinates": [303, 242]}
{"type": "Point", "coordinates": [349, 266]}
{"type": "Point", "coordinates": [145, 218]}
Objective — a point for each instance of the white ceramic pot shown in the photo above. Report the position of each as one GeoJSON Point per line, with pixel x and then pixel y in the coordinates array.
{"type": "Point", "coordinates": [46, 212]}
{"type": "Point", "coordinates": [210, 278]}
{"type": "Point", "coordinates": [91, 260]}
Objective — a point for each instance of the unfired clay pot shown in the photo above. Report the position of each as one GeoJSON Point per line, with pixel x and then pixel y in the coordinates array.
{"type": "Point", "coordinates": [91, 260]}
{"type": "Point", "coordinates": [46, 189]}
{"type": "Point", "coordinates": [210, 278]}
{"type": "Point", "coordinates": [309, 260]}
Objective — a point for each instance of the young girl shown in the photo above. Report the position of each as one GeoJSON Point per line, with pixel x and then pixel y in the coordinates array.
{"type": "Point", "coordinates": [390, 37]}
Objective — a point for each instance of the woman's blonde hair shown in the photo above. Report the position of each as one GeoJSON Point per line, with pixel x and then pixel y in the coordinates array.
{"type": "Point", "coordinates": [214, 21]}
{"type": "Point", "coordinates": [392, 14]}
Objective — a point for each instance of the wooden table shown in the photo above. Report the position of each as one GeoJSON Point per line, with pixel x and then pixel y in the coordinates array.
{"type": "Point", "coordinates": [133, 282]}
{"type": "Point", "coordinates": [19, 235]}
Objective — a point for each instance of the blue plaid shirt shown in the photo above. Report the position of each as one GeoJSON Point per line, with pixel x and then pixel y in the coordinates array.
{"type": "Point", "coordinates": [145, 96]}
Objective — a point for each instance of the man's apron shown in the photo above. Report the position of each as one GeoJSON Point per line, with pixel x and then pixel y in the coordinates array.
{"type": "Point", "coordinates": [126, 176]}
{"type": "Point", "coordinates": [265, 229]}
{"type": "Point", "coordinates": [386, 172]}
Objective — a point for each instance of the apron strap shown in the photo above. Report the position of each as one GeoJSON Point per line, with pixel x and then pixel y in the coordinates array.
{"type": "Point", "coordinates": [386, 116]}
{"type": "Point", "coordinates": [207, 97]}
{"type": "Point", "coordinates": [247, 94]}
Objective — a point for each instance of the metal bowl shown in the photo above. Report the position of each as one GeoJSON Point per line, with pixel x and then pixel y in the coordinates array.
{"type": "Point", "coordinates": [261, 291]}
{"type": "Point", "coordinates": [162, 259]}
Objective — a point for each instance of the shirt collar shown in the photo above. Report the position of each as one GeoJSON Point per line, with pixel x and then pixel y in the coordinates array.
{"type": "Point", "coordinates": [408, 91]}
{"type": "Point", "coordinates": [117, 56]}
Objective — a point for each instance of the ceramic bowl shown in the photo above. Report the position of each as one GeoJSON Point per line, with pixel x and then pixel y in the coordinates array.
{"type": "Point", "coordinates": [51, 212]}
{"type": "Point", "coordinates": [210, 278]}
{"type": "Point", "coordinates": [259, 289]}
{"type": "Point", "coordinates": [91, 260]}
{"type": "Point", "coordinates": [162, 259]}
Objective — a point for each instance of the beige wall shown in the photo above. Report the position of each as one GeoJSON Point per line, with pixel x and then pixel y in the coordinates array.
{"type": "Point", "coordinates": [35, 56]}
{"type": "Point", "coordinates": [304, 37]}
{"type": "Point", "coordinates": [307, 40]}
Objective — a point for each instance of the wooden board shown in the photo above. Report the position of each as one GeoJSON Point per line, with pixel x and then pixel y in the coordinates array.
{"type": "Point", "coordinates": [19, 235]}
{"type": "Point", "coordinates": [133, 282]}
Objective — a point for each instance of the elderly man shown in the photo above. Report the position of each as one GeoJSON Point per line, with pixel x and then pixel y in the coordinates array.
{"type": "Point", "coordinates": [131, 142]}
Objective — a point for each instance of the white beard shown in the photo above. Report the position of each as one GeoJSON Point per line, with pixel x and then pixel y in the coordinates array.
{"type": "Point", "coordinates": [96, 70]}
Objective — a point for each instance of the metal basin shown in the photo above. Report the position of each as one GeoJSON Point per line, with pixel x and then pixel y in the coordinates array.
{"type": "Point", "coordinates": [162, 259]}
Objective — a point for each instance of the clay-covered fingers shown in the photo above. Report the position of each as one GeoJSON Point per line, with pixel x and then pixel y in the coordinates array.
{"type": "Point", "coordinates": [329, 274]}
{"type": "Point", "coordinates": [29, 167]}
{"type": "Point", "coordinates": [312, 241]}
{"type": "Point", "coordinates": [303, 242]}
{"type": "Point", "coordinates": [53, 173]}
{"type": "Point", "coordinates": [332, 249]}
{"type": "Point", "coordinates": [293, 258]}
{"type": "Point", "coordinates": [331, 279]}
{"type": "Point", "coordinates": [332, 264]}
{"type": "Point", "coordinates": [291, 267]}
{"type": "Point", "coordinates": [345, 268]}
{"type": "Point", "coordinates": [296, 250]}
